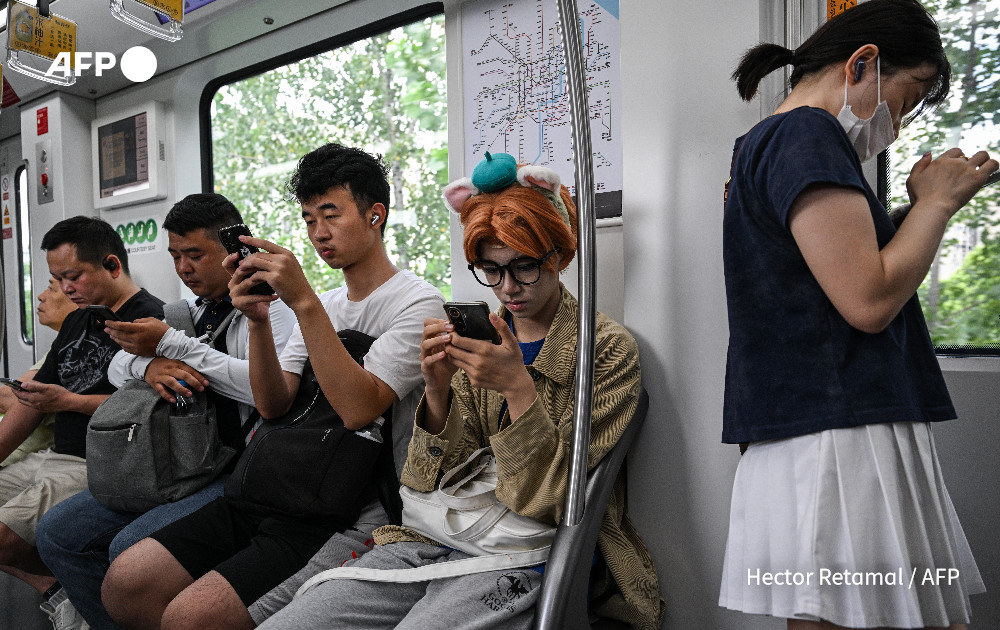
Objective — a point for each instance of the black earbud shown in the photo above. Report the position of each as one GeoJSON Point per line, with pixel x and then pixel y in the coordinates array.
{"type": "Point", "coordinates": [859, 68]}
{"type": "Point", "coordinates": [375, 218]}
{"type": "Point", "coordinates": [110, 263]}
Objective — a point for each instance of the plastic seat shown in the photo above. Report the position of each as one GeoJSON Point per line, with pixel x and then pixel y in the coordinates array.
{"type": "Point", "coordinates": [562, 604]}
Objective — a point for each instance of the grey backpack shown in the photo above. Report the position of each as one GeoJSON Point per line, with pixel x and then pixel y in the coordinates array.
{"type": "Point", "coordinates": [140, 453]}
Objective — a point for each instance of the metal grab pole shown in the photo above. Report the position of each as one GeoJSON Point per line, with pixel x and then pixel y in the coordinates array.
{"type": "Point", "coordinates": [3, 317]}
{"type": "Point", "coordinates": [551, 612]}
{"type": "Point", "coordinates": [583, 158]}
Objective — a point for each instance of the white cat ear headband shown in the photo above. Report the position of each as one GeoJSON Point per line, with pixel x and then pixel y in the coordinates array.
{"type": "Point", "coordinates": [499, 171]}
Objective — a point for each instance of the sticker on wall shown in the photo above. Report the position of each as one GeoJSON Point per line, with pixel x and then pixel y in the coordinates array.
{"type": "Point", "coordinates": [8, 230]}
{"type": "Point", "coordinates": [139, 236]}
{"type": "Point", "coordinates": [836, 7]}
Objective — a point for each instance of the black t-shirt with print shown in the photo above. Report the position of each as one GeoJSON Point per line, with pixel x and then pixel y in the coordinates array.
{"type": "Point", "coordinates": [78, 361]}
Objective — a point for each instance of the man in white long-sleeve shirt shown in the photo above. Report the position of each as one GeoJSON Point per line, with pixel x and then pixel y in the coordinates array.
{"type": "Point", "coordinates": [80, 537]}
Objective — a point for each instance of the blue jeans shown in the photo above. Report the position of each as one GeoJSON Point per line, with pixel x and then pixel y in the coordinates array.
{"type": "Point", "coordinates": [79, 539]}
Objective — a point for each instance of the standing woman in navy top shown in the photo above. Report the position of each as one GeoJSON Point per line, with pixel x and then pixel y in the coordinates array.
{"type": "Point", "coordinates": [831, 377]}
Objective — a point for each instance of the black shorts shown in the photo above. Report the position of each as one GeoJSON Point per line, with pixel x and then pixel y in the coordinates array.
{"type": "Point", "coordinates": [253, 550]}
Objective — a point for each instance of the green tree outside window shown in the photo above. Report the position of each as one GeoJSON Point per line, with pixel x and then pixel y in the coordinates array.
{"type": "Point", "coordinates": [961, 294]}
{"type": "Point", "coordinates": [386, 95]}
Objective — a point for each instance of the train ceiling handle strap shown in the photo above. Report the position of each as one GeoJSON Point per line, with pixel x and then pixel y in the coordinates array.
{"type": "Point", "coordinates": [172, 9]}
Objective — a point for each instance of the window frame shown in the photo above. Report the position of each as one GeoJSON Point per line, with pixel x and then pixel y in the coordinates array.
{"type": "Point", "coordinates": [311, 50]}
{"type": "Point", "coordinates": [788, 22]}
{"type": "Point", "coordinates": [884, 191]}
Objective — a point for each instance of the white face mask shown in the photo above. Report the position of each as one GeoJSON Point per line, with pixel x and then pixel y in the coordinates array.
{"type": "Point", "coordinates": [869, 137]}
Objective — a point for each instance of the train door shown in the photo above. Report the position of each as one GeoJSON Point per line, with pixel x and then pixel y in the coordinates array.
{"type": "Point", "coordinates": [18, 347]}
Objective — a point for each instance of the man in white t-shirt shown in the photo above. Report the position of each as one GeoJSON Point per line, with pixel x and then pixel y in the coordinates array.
{"type": "Point", "coordinates": [207, 569]}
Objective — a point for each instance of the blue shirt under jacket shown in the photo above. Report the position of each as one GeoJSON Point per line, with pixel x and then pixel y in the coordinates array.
{"type": "Point", "coordinates": [795, 366]}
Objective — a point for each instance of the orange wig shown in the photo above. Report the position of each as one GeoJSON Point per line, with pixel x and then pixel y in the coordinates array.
{"type": "Point", "coordinates": [523, 219]}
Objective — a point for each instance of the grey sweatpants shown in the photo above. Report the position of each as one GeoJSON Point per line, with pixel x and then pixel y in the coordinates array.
{"type": "Point", "coordinates": [349, 545]}
{"type": "Point", "coordinates": [498, 599]}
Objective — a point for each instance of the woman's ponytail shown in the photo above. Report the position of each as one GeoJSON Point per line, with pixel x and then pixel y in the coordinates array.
{"type": "Point", "coordinates": [757, 63]}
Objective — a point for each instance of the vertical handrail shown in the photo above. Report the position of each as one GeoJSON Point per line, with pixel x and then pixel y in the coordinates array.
{"type": "Point", "coordinates": [550, 611]}
{"type": "Point", "coordinates": [3, 316]}
{"type": "Point", "coordinates": [793, 35]}
{"type": "Point", "coordinates": [583, 159]}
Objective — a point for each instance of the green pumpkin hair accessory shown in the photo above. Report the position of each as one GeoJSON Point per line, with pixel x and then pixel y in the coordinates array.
{"type": "Point", "coordinates": [500, 170]}
{"type": "Point", "coordinates": [494, 173]}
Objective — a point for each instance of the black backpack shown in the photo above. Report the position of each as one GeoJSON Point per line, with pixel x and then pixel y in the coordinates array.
{"type": "Point", "coordinates": [307, 464]}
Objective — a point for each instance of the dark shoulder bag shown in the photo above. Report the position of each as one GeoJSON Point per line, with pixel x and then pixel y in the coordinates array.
{"type": "Point", "coordinates": [307, 463]}
{"type": "Point", "coordinates": [141, 453]}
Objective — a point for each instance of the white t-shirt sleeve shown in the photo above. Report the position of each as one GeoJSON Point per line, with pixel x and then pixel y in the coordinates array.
{"type": "Point", "coordinates": [282, 324]}
{"type": "Point", "coordinates": [293, 357]}
{"type": "Point", "coordinates": [394, 315]}
{"type": "Point", "coordinates": [395, 356]}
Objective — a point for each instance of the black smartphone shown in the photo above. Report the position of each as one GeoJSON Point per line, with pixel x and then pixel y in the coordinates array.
{"type": "Point", "coordinates": [13, 383]}
{"type": "Point", "coordinates": [103, 313]}
{"type": "Point", "coordinates": [472, 319]}
{"type": "Point", "coordinates": [230, 238]}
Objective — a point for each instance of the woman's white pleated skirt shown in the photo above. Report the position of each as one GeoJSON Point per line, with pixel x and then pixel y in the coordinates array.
{"type": "Point", "coordinates": [853, 526]}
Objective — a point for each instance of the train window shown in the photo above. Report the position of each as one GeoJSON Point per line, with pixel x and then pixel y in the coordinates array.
{"type": "Point", "coordinates": [961, 294]}
{"type": "Point", "coordinates": [24, 253]}
{"type": "Point", "coordinates": [385, 94]}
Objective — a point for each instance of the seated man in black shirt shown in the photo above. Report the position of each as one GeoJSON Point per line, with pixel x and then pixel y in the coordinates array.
{"type": "Point", "coordinates": [89, 260]}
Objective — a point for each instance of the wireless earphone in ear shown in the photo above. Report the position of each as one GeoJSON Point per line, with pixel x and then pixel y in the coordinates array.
{"type": "Point", "coordinates": [375, 218]}
{"type": "Point", "coordinates": [859, 68]}
{"type": "Point", "coordinates": [110, 263]}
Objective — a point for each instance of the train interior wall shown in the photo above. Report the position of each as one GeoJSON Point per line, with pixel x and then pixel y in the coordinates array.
{"type": "Point", "coordinates": [682, 115]}
{"type": "Point", "coordinates": [659, 271]}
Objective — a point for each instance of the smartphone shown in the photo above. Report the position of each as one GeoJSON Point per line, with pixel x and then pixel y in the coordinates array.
{"type": "Point", "coordinates": [230, 238]}
{"type": "Point", "coordinates": [472, 319]}
{"type": "Point", "coordinates": [13, 383]}
{"type": "Point", "coordinates": [103, 313]}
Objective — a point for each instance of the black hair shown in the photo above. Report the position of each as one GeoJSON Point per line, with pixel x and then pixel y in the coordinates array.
{"type": "Point", "coordinates": [331, 165]}
{"type": "Point", "coordinates": [94, 239]}
{"type": "Point", "coordinates": [207, 211]}
{"type": "Point", "coordinates": [905, 33]}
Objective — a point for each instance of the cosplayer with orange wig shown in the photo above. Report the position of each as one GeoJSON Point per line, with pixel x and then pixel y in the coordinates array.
{"type": "Point", "coordinates": [517, 399]}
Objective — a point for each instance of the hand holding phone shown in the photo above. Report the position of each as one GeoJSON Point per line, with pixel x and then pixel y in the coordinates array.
{"type": "Point", "coordinates": [472, 320]}
{"type": "Point", "coordinates": [13, 383]}
{"type": "Point", "coordinates": [102, 313]}
{"type": "Point", "coordinates": [230, 238]}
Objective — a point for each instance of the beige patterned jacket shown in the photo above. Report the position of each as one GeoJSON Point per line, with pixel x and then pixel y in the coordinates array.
{"type": "Point", "coordinates": [533, 452]}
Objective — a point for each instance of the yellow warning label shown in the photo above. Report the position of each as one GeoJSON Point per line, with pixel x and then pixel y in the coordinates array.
{"type": "Point", "coordinates": [42, 36]}
{"type": "Point", "coordinates": [173, 9]}
{"type": "Point", "coordinates": [836, 7]}
{"type": "Point", "coordinates": [6, 216]}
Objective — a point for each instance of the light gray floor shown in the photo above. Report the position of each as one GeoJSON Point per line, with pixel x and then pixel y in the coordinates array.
{"type": "Point", "coordinates": [19, 606]}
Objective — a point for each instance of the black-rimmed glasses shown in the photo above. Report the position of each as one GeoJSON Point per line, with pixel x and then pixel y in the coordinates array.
{"type": "Point", "coordinates": [524, 270]}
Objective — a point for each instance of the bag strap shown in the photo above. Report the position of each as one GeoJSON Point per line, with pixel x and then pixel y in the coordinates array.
{"type": "Point", "coordinates": [437, 571]}
{"type": "Point", "coordinates": [210, 337]}
{"type": "Point", "coordinates": [178, 315]}
{"type": "Point", "coordinates": [478, 528]}
{"type": "Point", "coordinates": [480, 461]}
{"type": "Point", "coordinates": [248, 426]}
